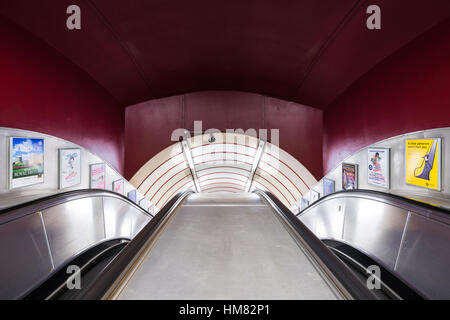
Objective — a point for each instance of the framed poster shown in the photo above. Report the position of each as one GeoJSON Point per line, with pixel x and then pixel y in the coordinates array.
{"type": "Point", "coordinates": [118, 186]}
{"type": "Point", "coordinates": [97, 176]}
{"type": "Point", "coordinates": [69, 167]}
{"type": "Point", "coordinates": [144, 203]}
{"type": "Point", "coordinates": [294, 208]}
{"type": "Point", "coordinates": [328, 186]}
{"type": "Point", "coordinates": [423, 163]}
{"type": "Point", "coordinates": [26, 162]}
{"type": "Point", "coordinates": [378, 167]}
{"type": "Point", "coordinates": [314, 196]}
{"type": "Point", "coordinates": [349, 176]}
{"type": "Point", "coordinates": [304, 204]}
{"type": "Point", "coordinates": [132, 195]}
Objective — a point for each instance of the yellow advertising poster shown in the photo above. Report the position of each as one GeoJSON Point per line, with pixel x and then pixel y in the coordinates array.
{"type": "Point", "coordinates": [423, 161]}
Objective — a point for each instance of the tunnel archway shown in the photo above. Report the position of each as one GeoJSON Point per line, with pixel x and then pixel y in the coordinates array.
{"type": "Point", "coordinates": [223, 165]}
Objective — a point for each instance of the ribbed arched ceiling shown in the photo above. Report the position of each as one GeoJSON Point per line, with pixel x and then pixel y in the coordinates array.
{"type": "Point", "coordinates": [224, 165]}
{"type": "Point", "coordinates": [306, 51]}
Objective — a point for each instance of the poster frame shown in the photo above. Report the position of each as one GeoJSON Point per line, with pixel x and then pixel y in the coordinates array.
{"type": "Point", "coordinates": [90, 174]}
{"type": "Point", "coordinates": [121, 180]}
{"type": "Point", "coordinates": [332, 182]}
{"type": "Point", "coordinates": [314, 196]}
{"type": "Point", "coordinates": [80, 169]}
{"type": "Point", "coordinates": [439, 164]}
{"type": "Point", "coordinates": [388, 171]}
{"type": "Point", "coordinates": [355, 165]}
{"type": "Point", "coordinates": [10, 163]}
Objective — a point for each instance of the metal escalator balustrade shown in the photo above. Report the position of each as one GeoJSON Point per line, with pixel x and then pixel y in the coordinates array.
{"type": "Point", "coordinates": [408, 238]}
{"type": "Point", "coordinates": [41, 236]}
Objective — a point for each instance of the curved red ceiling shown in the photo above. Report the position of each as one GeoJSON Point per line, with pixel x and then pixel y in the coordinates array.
{"type": "Point", "coordinates": [307, 51]}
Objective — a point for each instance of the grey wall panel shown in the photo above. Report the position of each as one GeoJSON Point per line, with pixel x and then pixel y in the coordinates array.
{"type": "Point", "coordinates": [329, 218]}
{"type": "Point", "coordinates": [24, 256]}
{"type": "Point", "coordinates": [374, 227]}
{"type": "Point", "coordinates": [122, 220]}
{"type": "Point", "coordinates": [424, 260]}
{"type": "Point", "coordinates": [73, 227]}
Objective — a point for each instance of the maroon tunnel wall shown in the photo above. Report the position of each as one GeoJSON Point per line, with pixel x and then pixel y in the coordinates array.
{"type": "Point", "coordinates": [406, 92]}
{"type": "Point", "coordinates": [43, 91]}
{"type": "Point", "coordinates": [149, 125]}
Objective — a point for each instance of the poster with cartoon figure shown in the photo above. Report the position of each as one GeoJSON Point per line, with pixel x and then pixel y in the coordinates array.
{"type": "Point", "coordinates": [119, 186]}
{"type": "Point", "coordinates": [98, 176]}
{"type": "Point", "coordinates": [423, 163]}
{"type": "Point", "coordinates": [349, 176]}
{"type": "Point", "coordinates": [378, 165]}
{"type": "Point", "coordinates": [132, 195]}
{"type": "Point", "coordinates": [69, 168]}
{"type": "Point", "coordinates": [26, 163]}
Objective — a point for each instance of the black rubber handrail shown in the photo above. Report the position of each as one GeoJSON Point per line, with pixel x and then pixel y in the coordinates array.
{"type": "Point", "coordinates": [339, 270]}
{"type": "Point", "coordinates": [98, 288]}
{"type": "Point", "coordinates": [40, 204]}
{"type": "Point", "coordinates": [381, 195]}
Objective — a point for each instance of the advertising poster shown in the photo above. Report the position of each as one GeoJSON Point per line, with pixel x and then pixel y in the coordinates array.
{"type": "Point", "coordinates": [349, 176]}
{"type": "Point", "coordinates": [69, 167]}
{"type": "Point", "coordinates": [119, 186]}
{"type": "Point", "coordinates": [294, 208]}
{"type": "Point", "coordinates": [98, 176]}
{"type": "Point", "coordinates": [144, 204]}
{"type": "Point", "coordinates": [378, 165]}
{"type": "Point", "coordinates": [423, 163]}
{"type": "Point", "coordinates": [328, 186]}
{"type": "Point", "coordinates": [132, 195]}
{"type": "Point", "coordinates": [314, 196]}
{"type": "Point", "coordinates": [304, 204]}
{"type": "Point", "coordinates": [26, 163]}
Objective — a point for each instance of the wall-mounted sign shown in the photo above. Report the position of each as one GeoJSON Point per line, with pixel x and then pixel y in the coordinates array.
{"type": "Point", "coordinates": [423, 163]}
{"type": "Point", "coordinates": [69, 167]}
{"type": "Point", "coordinates": [304, 204]}
{"type": "Point", "coordinates": [328, 186]}
{"type": "Point", "coordinates": [26, 162]}
{"type": "Point", "coordinates": [378, 166]}
{"type": "Point", "coordinates": [349, 176]}
{"type": "Point", "coordinates": [97, 176]}
{"type": "Point", "coordinates": [314, 196]}
{"type": "Point", "coordinates": [119, 186]}
{"type": "Point", "coordinates": [294, 208]}
{"type": "Point", "coordinates": [132, 195]}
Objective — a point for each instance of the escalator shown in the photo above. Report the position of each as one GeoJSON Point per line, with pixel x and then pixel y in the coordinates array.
{"type": "Point", "coordinates": [407, 239]}
{"type": "Point", "coordinates": [43, 240]}
{"type": "Point", "coordinates": [226, 246]}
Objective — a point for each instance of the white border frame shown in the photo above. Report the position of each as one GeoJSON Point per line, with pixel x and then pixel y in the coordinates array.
{"type": "Point", "coordinates": [90, 174]}
{"type": "Point", "coordinates": [10, 169]}
{"type": "Point", "coordinates": [313, 193]}
{"type": "Point", "coordinates": [116, 181]}
{"type": "Point", "coordinates": [388, 174]}
{"type": "Point", "coordinates": [356, 174]}
{"type": "Point", "coordinates": [59, 168]}
{"type": "Point", "coordinates": [323, 186]}
{"type": "Point", "coordinates": [439, 164]}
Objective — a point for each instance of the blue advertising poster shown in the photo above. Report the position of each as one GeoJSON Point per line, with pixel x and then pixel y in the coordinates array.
{"type": "Point", "coordinates": [132, 195]}
{"type": "Point", "coordinates": [26, 162]}
{"type": "Point", "coordinates": [328, 186]}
